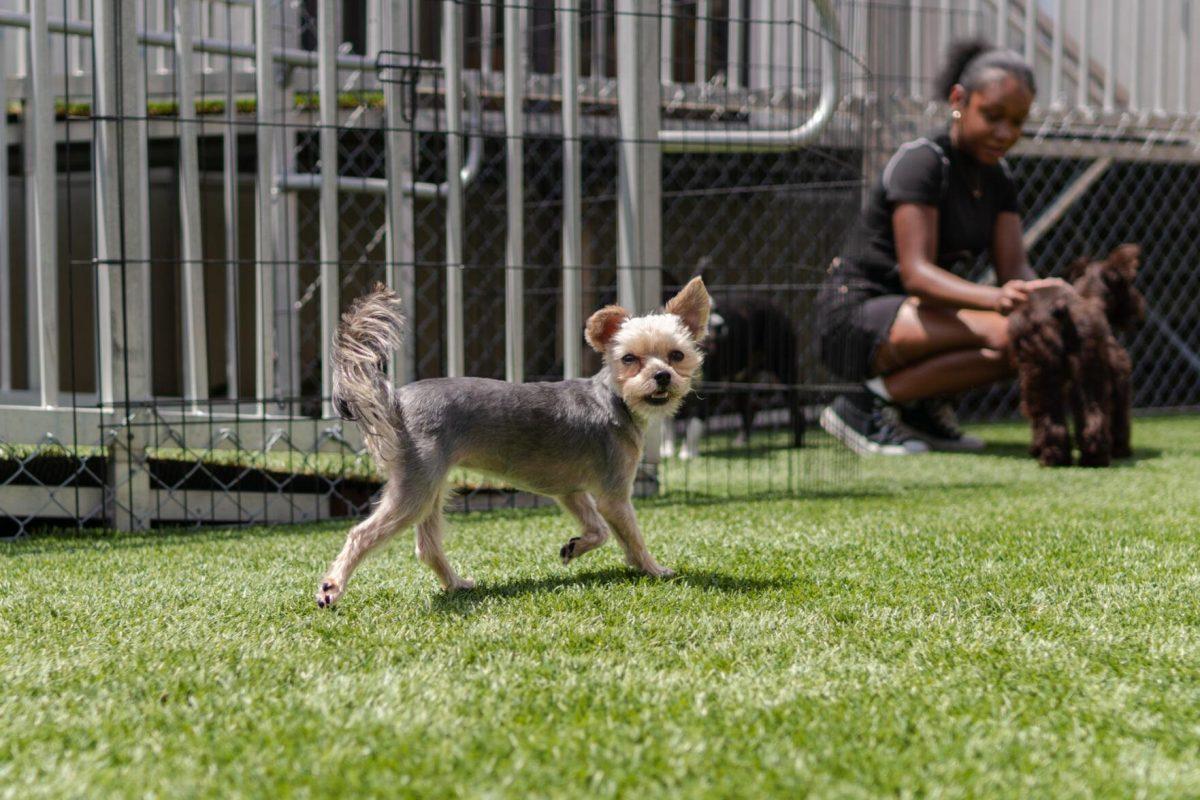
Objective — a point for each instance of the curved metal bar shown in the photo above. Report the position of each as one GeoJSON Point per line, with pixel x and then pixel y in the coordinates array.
{"type": "Point", "coordinates": [311, 182]}
{"type": "Point", "coordinates": [474, 151]}
{"type": "Point", "coordinates": [697, 140]}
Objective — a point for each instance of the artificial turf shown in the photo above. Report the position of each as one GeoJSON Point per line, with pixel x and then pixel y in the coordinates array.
{"type": "Point", "coordinates": [958, 625]}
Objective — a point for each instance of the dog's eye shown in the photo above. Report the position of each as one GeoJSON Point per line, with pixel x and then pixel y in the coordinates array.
{"type": "Point", "coordinates": [629, 358]}
{"type": "Point", "coordinates": [675, 356]}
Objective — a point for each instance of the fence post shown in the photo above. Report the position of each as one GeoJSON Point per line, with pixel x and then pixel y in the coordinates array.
{"type": "Point", "coordinates": [330, 254]}
{"type": "Point", "coordinates": [639, 167]}
{"type": "Point", "coordinates": [195, 335]}
{"type": "Point", "coordinates": [265, 251]}
{"type": "Point", "coordinates": [122, 272]}
{"type": "Point", "coordinates": [7, 329]}
{"type": "Point", "coordinates": [452, 61]}
{"type": "Point", "coordinates": [402, 39]}
{"type": "Point", "coordinates": [42, 252]}
{"type": "Point", "coordinates": [572, 225]}
{"type": "Point", "coordinates": [514, 144]}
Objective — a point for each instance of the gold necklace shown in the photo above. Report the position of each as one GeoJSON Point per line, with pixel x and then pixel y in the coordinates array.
{"type": "Point", "coordinates": [976, 185]}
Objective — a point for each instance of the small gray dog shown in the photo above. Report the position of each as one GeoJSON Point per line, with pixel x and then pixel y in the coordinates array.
{"type": "Point", "coordinates": [578, 441]}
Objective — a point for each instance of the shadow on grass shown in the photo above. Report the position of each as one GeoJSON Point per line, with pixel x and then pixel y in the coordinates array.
{"type": "Point", "coordinates": [60, 540]}
{"type": "Point", "coordinates": [466, 601]}
{"type": "Point", "coordinates": [1020, 450]}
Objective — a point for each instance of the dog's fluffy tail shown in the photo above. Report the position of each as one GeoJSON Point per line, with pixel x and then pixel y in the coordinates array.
{"type": "Point", "coordinates": [368, 333]}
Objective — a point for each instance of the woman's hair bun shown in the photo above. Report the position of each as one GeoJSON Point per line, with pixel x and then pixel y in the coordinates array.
{"type": "Point", "coordinates": [968, 59]}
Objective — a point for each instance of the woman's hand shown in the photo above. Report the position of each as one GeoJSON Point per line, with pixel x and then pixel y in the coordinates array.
{"type": "Point", "coordinates": [1010, 297]}
{"type": "Point", "coordinates": [1013, 294]}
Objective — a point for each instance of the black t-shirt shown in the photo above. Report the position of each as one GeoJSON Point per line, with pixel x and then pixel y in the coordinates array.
{"type": "Point", "coordinates": [929, 171]}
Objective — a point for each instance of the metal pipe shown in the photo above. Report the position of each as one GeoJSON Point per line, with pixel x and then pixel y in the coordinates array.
{"type": "Point", "coordinates": [487, 36]}
{"type": "Point", "coordinates": [1056, 52]}
{"type": "Point", "coordinates": [1185, 32]}
{"type": "Point", "coordinates": [44, 250]}
{"type": "Point", "coordinates": [666, 20]}
{"type": "Point", "coordinates": [914, 48]}
{"type": "Point", "coordinates": [698, 140]}
{"type": "Point", "coordinates": [514, 250]}
{"type": "Point", "coordinates": [701, 46]}
{"type": "Point", "coordinates": [195, 338]}
{"type": "Point", "coordinates": [1002, 23]}
{"type": "Point", "coordinates": [163, 39]}
{"type": "Point", "coordinates": [229, 173]}
{"type": "Point", "coordinates": [945, 31]}
{"type": "Point", "coordinates": [735, 76]}
{"type": "Point", "coordinates": [572, 225]}
{"type": "Point", "coordinates": [1110, 58]}
{"type": "Point", "coordinates": [639, 172]}
{"type": "Point", "coordinates": [761, 14]}
{"type": "Point", "coordinates": [599, 40]}
{"type": "Point", "coordinates": [329, 250]}
{"type": "Point", "coordinates": [265, 233]}
{"type": "Point", "coordinates": [7, 329]}
{"type": "Point", "coordinates": [1031, 22]}
{"type": "Point", "coordinates": [398, 139]}
{"type": "Point", "coordinates": [1135, 77]}
{"type": "Point", "coordinates": [1084, 67]}
{"type": "Point", "coordinates": [1160, 57]}
{"type": "Point", "coordinates": [452, 68]}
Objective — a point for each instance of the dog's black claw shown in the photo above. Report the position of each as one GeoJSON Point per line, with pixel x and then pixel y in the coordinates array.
{"type": "Point", "coordinates": [320, 604]}
{"type": "Point", "coordinates": [567, 551]}
{"type": "Point", "coordinates": [325, 587]}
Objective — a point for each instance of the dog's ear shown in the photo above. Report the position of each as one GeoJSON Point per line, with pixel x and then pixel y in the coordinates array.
{"type": "Point", "coordinates": [692, 305]}
{"type": "Point", "coordinates": [603, 325]}
{"type": "Point", "coordinates": [1075, 269]}
{"type": "Point", "coordinates": [1127, 258]}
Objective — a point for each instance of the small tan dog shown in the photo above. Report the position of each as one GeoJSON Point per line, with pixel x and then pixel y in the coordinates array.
{"type": "Point", "coordinates": [578, 441]}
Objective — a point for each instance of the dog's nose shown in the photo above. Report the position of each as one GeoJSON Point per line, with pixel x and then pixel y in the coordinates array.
{"type": "Point", "coordinates": [662, 378]}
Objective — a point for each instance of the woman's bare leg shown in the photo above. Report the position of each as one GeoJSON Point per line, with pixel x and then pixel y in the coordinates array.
{"type": "Point", "coordinates": [933, 351]}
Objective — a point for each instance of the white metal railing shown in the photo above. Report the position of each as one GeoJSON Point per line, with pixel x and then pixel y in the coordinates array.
{"type": "Point", "coordinates": [770, 47]}
{"type": "Point", "coordinates": [1096, 56]}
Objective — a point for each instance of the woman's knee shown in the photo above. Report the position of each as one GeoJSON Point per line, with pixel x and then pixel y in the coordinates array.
{"type": "Point", "coordinates": [1000, 360]}
{"type": "Point", "coordinates": [992, 329]}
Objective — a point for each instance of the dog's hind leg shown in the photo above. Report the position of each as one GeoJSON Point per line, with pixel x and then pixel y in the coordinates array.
{"type": "Point", "coordinates": [1043, 403]}
{"type": "Point", "coordinates": [394, 512]}
{"type": "Point", "coordinates": [1091, 397]}
{"type": "Point", "coordinates": [620, 515]}
{"type": "Point", "coordinates": [593, 531]}
{"type": "Point", "coordinates": [430, 553]}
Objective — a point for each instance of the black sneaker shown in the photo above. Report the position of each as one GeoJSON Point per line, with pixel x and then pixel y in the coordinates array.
{"type": "Point", "coordinates": [934, 422]}
{"type": "Point", "coordinates": [868, 426]}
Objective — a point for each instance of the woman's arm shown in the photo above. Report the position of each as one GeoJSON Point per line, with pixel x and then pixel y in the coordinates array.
{"type": "Point", "coordinates": [916, 229]}
{"type": "Point", "coordinates": [1008, 249]}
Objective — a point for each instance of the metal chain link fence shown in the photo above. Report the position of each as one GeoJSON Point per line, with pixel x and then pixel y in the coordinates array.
{"type": "Point", "coordinates": [760, 224]}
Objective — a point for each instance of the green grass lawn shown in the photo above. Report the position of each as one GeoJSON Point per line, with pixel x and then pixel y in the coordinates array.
{"type": "Point", "coordinates": [943, 625]}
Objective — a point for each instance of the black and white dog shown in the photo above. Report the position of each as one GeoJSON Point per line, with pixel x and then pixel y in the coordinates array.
{"type": "Point", "coordinates": [751, 363]}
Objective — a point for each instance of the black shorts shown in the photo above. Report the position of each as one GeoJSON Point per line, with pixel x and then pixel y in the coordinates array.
{"type": "Point", "coordinates": [853, 320]}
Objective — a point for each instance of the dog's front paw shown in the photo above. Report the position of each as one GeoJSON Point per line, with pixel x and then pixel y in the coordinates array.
{"type": "Point", "coordinates": [328, 592]}
{"type": "Point", "coordinates": [567, 551]}
{"type": "Point", "coordinates": [1054, 457]}
{"type": "Point", "coordinates": [655, 570]}
{"type": "Point", "coordinates": [460, 584]}
{"type": "Point", "coordinates": [1092, 459]}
